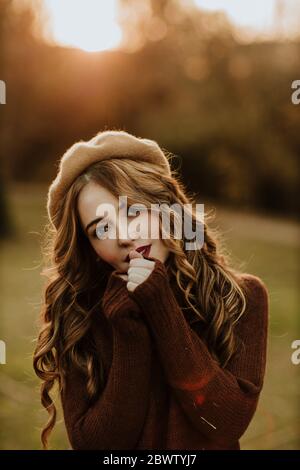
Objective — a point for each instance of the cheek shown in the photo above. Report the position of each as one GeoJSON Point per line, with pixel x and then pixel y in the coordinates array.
{"type": "Point", "coordinates": [103, 249]}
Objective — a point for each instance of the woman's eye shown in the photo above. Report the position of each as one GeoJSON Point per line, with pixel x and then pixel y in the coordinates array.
{"type": "Point", "coordinates": [134, 211]}
{"type": "Point", "coordinates": [100, 230]}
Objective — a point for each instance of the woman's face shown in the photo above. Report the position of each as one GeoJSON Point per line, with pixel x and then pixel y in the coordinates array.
{"type": "Point", "coordinates": [114, 250]}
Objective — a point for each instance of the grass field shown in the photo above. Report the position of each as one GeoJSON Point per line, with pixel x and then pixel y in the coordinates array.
{"type": "Point", "coordinates": [266, 247]}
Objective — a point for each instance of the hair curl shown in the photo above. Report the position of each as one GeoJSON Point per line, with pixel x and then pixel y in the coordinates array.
{"type": "Point", "coordinates": [210, 287]}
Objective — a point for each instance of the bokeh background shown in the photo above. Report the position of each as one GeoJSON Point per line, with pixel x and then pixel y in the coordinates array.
{"type": "Point", "coordinates": [211, 82]}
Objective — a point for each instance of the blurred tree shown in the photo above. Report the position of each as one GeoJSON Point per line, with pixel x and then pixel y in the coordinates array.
{"type": "Point", "coordinates": [6, 225]}
{"type": "Point", "coordinates": [181, 77]}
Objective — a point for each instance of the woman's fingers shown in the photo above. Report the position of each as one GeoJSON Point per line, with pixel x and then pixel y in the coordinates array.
{"type": "Point", "coordinates": [139, 269]}
{"type": "Point", "coordinates": [131, 286]}
{"type": "Point", "coordinates": [142, 262]}
{"type": "Point", "coordinates": [135, 254]}
{"type": "Point", "coordinates": [137, 276]}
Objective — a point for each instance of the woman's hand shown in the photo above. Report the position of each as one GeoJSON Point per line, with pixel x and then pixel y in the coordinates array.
{"type": "Point", "coordinates": [139, 270]}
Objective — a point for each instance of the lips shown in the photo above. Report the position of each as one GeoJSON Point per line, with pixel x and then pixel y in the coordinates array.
{"type": "Point", "coordinates": [144, 250]}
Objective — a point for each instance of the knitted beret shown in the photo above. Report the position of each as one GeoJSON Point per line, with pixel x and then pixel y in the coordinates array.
{"type": "Point", "coordinates": [105, 145]}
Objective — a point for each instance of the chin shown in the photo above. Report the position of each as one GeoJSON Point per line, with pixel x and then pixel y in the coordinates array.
{"type": "Point", "coordinates": [123, 270]}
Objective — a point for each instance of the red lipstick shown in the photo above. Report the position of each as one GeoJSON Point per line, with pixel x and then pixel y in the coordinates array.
{"type": "Point", "coordinates": [144, 250]}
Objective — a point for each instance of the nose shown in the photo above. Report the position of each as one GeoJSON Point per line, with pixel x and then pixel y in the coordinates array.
{"type": "Point", "coordinates": [125, 235]}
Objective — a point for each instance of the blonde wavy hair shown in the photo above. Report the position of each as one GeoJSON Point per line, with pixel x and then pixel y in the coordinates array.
{"type": "Point", "coordinates": [209, 286]}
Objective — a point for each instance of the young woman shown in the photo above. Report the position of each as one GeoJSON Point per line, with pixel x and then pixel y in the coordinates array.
{"type": "Point", "coordinates": [153, 345]}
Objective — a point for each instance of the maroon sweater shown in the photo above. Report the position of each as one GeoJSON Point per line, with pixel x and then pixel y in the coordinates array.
{"type": "Point", "coordinates": [163, 388]}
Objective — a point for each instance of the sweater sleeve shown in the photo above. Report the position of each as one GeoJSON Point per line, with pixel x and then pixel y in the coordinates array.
{"type": "Point", "coordinates": [220, 402]}
{"type": "Point", "coordinates": [116, 417]}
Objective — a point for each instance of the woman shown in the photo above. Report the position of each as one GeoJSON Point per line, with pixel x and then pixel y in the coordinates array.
{"type": "Point", "coordinates": [153, 345]}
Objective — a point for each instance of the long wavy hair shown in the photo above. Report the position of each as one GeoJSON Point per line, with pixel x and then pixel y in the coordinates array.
{"type": "Point", "coordinates": [210, 287]}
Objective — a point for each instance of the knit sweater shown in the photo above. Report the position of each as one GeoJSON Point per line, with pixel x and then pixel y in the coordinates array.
{"type": "Point", "coordinates": [164, 390]}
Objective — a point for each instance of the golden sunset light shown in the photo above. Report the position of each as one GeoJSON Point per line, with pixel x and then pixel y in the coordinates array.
{"type": "Point", "coordinates": [89, 25]}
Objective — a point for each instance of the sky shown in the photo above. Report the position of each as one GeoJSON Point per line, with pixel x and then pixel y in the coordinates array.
{"type": "Point", "coordinates": [258, 16]}
{"type": "Point", "coordinates": [255, 13]}
{"type": "Point", "coordinates": [91, 25]}
{"type": "Point", "coordinates": [88, 24]}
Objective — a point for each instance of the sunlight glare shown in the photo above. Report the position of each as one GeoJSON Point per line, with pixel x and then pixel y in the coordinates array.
{"type": "Point", "coordinates": [90, 25]}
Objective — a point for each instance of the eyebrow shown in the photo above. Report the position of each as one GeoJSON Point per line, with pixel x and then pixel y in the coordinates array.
{"type": "Point", "coordinates": [93, 222]}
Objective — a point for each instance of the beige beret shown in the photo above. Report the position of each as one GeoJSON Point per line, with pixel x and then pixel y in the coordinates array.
{"type": "Point", "coordinates": [105, 145]}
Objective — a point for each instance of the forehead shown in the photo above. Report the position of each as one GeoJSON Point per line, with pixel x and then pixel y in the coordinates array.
{"type": "Point", "coordinates": [91, 195]}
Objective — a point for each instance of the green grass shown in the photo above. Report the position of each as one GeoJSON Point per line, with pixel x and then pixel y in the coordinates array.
{"type": "Point", "coordinates": [268, 248]}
